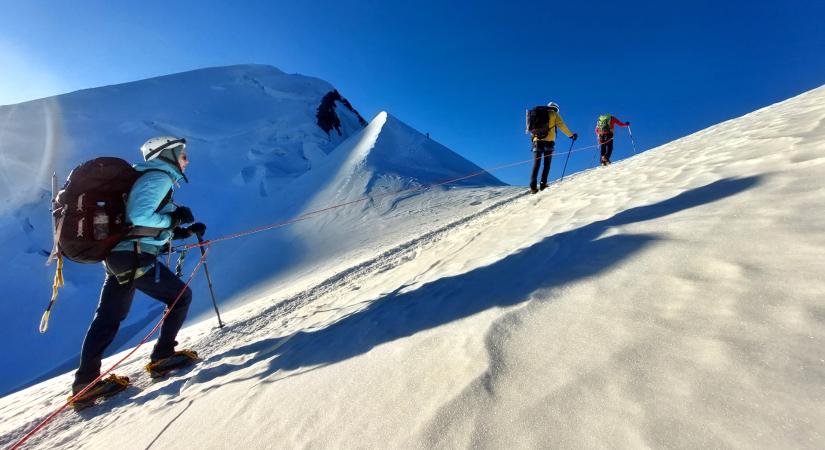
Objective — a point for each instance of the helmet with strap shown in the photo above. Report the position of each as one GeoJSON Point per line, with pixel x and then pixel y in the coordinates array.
{"type": "Point", "coordinates": [153, 148]}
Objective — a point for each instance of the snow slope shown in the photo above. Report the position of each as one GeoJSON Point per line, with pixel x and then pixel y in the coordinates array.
{"type": "Point", "coordinates": [671, 300]}
{"type": "Point", "coordinates": [259, 155]}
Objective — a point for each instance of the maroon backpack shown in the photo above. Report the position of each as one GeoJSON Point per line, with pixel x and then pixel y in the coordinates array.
{"type": "Point", "coordinates": [90, 211]}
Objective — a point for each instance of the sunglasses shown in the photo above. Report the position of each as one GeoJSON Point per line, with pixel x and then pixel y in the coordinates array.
{"type": "Point", "coordinates": [180, 152]}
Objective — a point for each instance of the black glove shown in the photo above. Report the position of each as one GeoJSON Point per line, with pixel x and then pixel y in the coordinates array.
{"type": "Point", "coordinates": [627, 123]}
{"type": "Point", "coordinates": [186, 232]}
{"type": "Point", "coordinates": [575, 136]}
{"type": "Point", "coordinates": [180, 233]}
{"type": "Point", "coordinates": [181, 215]}
{"type": "Point", "coordinates": [198, 229]}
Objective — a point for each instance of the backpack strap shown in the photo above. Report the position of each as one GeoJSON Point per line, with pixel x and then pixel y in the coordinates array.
{"type": "Point", "coordinates": [55, 254]}
{"type": "Point", "coordinates": [140, 231]}
{"type": "Point", "coordinates": [136, 263]}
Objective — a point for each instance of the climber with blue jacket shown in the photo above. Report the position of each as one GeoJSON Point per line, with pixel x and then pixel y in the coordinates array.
{"type": "Point", "coordinates": [134, 264]}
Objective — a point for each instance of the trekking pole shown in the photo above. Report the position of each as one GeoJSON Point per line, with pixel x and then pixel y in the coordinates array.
{"type": "Point", "coordinates": [567, 159]}
{"type": "Point", "coordinates": [209, 280]}
{"type": "Point", "coordinates": [632, 139]}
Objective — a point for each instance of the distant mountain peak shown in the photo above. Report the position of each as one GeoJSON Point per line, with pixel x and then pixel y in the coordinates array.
{"type": "Point", "coordinates": [326, 116]}
{"type": "Point", "coordinates": [390, 156]}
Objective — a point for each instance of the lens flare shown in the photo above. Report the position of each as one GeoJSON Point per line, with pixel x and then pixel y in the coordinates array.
{"type": "Point", "coordinates": [31, 137]}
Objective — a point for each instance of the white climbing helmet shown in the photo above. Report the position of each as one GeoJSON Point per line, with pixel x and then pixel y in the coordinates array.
{"type": "Point", "coordinates": [553, 105]}
{"type": "Point", "coordinates": [152, 148]}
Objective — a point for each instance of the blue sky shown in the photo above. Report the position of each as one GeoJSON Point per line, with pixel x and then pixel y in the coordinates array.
{"type": "Point", "coordinates": [462, 71]}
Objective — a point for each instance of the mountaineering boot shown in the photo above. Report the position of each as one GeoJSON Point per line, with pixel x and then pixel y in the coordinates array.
{"type": "Point", "coordinates": [103, 388]}
{"type": "Point", "coordinates": [533, 189]}
{"type": "Point", "coordinates": [604, 161]}
{"type": "Point", "coordinates": [542, 186]}
{"type": "Point", "coordinates": [177, 360]}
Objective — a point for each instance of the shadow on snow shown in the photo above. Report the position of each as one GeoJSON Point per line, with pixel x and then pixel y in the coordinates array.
{"type": "Point", "coordinates": [553, 262]}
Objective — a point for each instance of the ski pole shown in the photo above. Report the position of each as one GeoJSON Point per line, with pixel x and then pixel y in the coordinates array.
{"type": "Point", "coordinates": [567, 159]}
{"type": "Point", "coordinates": [632, 139]}
{"type": "Point", "coordinates": [209, 281]}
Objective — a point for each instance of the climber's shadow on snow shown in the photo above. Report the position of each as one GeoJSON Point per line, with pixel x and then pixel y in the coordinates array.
{"type": "Point", "coordinates": [551, 263]}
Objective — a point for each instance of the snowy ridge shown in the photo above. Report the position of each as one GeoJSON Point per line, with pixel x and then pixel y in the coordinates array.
{"type": "Point", "coordinates": [670, 300]}
{"type": "Point", "coordinates": [389, 156]}
{"type": "Point", "coordinates": [388, 163]}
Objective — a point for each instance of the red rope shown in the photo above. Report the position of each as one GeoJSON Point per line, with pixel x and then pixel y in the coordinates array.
{"type": "Point", "coordinates": [106, 372]}
{"type": "Point", "coordinates": [362, 199]}
{"type": "Point", "coordinates": [246, 233]}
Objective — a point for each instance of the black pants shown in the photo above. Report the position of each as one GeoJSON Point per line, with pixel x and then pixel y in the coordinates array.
{"type": "Point", "coordinates": [606, 145]}
{"type": "Point", "coordinates": [115, 301]}
{"type": "Point", "coordinates": [541, 150]}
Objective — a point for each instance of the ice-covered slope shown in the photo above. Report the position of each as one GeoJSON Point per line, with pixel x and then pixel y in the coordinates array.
{"type": "Point", "coordinates": [390, 156]}
{"type": "Point", "coordinates": [259, 140]}
{"type": "Point", "coordinates": [384, 167]}
{"type": "Point", "coordinates": [672, 300]}
{"type": "Point", "coordinates": [386, 158]}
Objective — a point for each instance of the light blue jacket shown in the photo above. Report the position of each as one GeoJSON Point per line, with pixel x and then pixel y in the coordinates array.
{"type": "Point", "coordinates": [142, 205]}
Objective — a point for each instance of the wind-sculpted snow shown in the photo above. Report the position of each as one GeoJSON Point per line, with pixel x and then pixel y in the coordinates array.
{"type": "Point", "coordinates": [672, 300]}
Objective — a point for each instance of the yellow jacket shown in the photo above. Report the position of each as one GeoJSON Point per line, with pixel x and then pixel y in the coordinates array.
{"type": "Point", "coordinates": [555, 121]}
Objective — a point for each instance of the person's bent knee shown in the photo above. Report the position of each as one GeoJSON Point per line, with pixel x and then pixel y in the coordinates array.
{"type": "Point", "coordinates": [185, 298]}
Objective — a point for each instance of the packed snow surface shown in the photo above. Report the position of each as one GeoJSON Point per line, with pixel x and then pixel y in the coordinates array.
{"type": "Point", "coordinates": [673, 299]}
